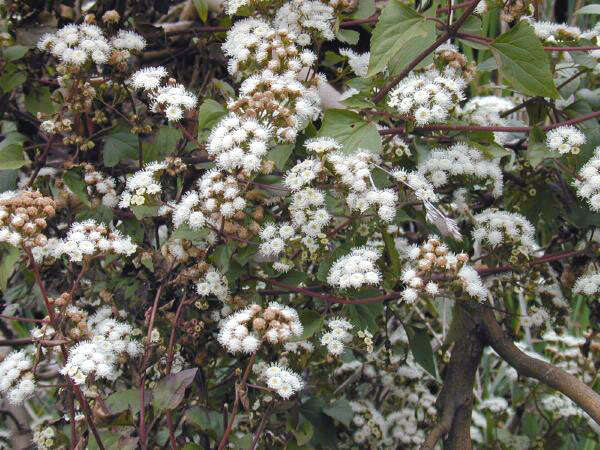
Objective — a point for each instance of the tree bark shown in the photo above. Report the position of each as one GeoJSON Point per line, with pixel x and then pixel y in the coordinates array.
{"type": "Point", "coordinates": [552, 376]}
{"type": "Point", "coordinates": [455, 401]}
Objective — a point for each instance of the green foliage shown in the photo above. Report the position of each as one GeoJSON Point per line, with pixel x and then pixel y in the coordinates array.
{"type": "Point", "coordinates": [400, 35]}
{"type": "Point", "coordinates": [350, 130]}
{"type": "Point", "coordinates": [523, 62]}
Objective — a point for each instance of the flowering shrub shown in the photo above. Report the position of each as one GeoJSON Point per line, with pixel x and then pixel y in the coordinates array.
{"type": "Point", "coordinates": [304, 224]}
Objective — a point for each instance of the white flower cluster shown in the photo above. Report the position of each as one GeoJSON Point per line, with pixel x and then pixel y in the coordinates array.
{"type": "Point", "coordinates": [359, 63]}
{"type": "Point", "coordinates": [281, 100]}
{"type": "Point", "coordinates": [497, 228]}
{"type": "Point", "coordinates": [587, 284]}
{"type": "Point", "coordinates": [472, 283]}
{"type": "Point", "coordinates": [221, 195]}
{"type": "Point", "coordinates": [460, 160]}
{"type": "Point", "coordinates": [494, 404]}
{"type": "Point", "coordinates": [566, 139]}
{"type": "Point", "coordinates": [171, 98]}
{"type": "Point", "coordinates": [187, 211]}
{"type": "Point", "coordinates": [561, 405]}
{"type": "Point", "coordinates": [588, 184]}
{"type": "Point", "coordinates": [282, 380]}
{"type": "Point", "coordinates": [16, 378]}
{"type": "Point", "coordinates": [98, 357]}
{"type": "Point", "coordinates": [309, 214]}
{"type": "Point", "coordinates": [339, 335]}
{"type": "Point", "coordinates": [372, 428]}
{"type": "Point", "coordinates": [103, 186]}
{"type": "Point", "coordinates": [306, 17]}
{"type": "Point", "coordinates": [356, 269]}
{"type": "Point", "coordinates": [143, 186]}
{"type": "Point", "coordinates": [417, 182]}
{"type": "Point", "coordinates": [128, 40]}
{"type": "Point", "coordinates": [274, 238]}
{"type": "Point", "coordinates": [77, 44]}
{"type": "Point", "coordinates": [403, 426]}
{"type": "Point", "coordinates": [322, 145]}
{"type": "Point", "coordinates": [86, 239]}
{"type": "Point", "coordinates": [552, 33]}
{"type": "Point", "coordinates": [43, 438]}
{"type": "Point", "coordinates": [354, 172]}
{"type": "Point", "coordinates": [253, 43]}
{"type": "Point", "coordinates": [213, 283]}
{"type": "Point", "coordinates": [244, 330]}
{"type": "Point", "coordinates": [302, 174]}
{"type": "Point", "coordinates": [427, 98]}
{"type": "Point", "coordinates": [239, 143]}
{"type": "Point", "coordinates": [103, 326]}
{"type": "Point", "coordinates": [486, 111]}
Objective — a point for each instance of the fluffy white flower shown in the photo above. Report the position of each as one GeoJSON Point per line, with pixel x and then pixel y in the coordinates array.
{"type": "Point", "coordinates": [359, 63]}
{"type": "Point", "coordinates": [16, 379]}
{"type": "Point", "coordinates": [428, 97]}
{"type": "Point", "coordinates": [565, 139]}
{"type": "Point", "coordinates": [460, 160]}
{"type": "Point", "coordinates": [356, 269]}
{"type": "Point", "coordinates": [588, 184]}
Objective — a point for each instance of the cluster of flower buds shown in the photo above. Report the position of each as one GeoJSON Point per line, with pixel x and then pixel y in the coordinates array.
{"type": "Point", "coordinates": [448, 57]}
{"type": "Point", "coordinates": [101, 186]}
{"type": "Point", "coordinates": [23, 217]}
{"type": "Point", "coordinates": [143, 187]}
{"type": "Point", "coordinates": [244, 330]}
{"type": "Point", "coordinates": [281, 100]}
{"type": "Point", "coordinates": [213, 283]}
{"type": "Point", "coordinates": [431, 257]}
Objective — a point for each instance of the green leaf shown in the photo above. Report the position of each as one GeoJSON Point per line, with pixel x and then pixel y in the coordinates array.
{"type": "Point", "coordinates": [189, 234]}
{"type": "Point", "coordinates": [400, 32]}
{"type": "Point", "coordinates": [163, 144]}
{"type": "Point", "coordinates": [14, 53]}
{"type": "Point", "coordinates": [312, 410]}
{"type": "Point", "coordinates": [280, 154]}
{"type": "Point", "coordinates": [536, 153]}
{"type": "Point", "coordinates": [12, 156]}
{"type": "Point", "coordinates": [420, 346]}
{"type": "Point", "coordinates": [348, 36]}
{"type": "Point", "coordinates": [340, 411]}
{"type": "Point", "coordinates": [222, 256]}
{"type": "Point", "coordinates": [209, 114]}
{"type": "Point", "coordinates": [366, 8]}
{"type": "Point", "coordinates": [311, 321]}
{"type": "Point", "coordinates": [8, 180]}
{"type": "Point", "coordinates": [169, 391]}
{"type": "Point", "coordinates": [365, 316]}
{"type": "Point", "coordinates": [392, 251]}
{"type": "Point", "coordinates": [201, 9]}
{"type": "Point", "coordinates": [7, 265]}
{"type": "Point", "coordinates": [119, 146]}
{"type": "Point", "coordinates": [75, 183]}
{"type": "Point", "coordinates": [191, 446]}
{"type": "Point", "coordinates": [350, 130]}
{"type": "Point", "coordinates": [40, 100]}
{"type": "Point", "coordinates": [11, 80]}
{"type": "Point", "coordinates": [303, 432]}
{"type": "Point", "coordinates": [589, 9]}
{"type": "Point", "coordinates": [523, 62]}
{"type": "Point", "coordinates": [143, 211]}
{"type": "Point", "coordinates": [128, 399]}
{"type": "Point", "coordinates": [205, 420]}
